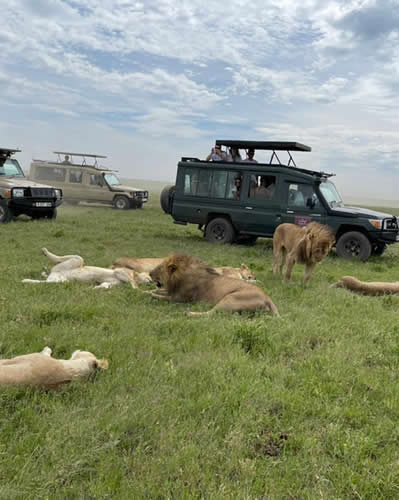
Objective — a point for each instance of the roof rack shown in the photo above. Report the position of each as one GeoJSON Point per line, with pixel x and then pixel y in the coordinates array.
{"type": "Point", "coordinates": [7, 153]}
{"type": "Point", "coordinates": [83, 155]}
{"type": "Point", "coordinates": [268, 146]}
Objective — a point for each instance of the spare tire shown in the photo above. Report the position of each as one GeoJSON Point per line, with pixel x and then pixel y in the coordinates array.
{"type": "Point", "coordinates": [167, 194]}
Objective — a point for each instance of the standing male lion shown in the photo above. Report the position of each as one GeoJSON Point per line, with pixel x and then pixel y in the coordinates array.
{"type": "Point", "coordinates": [187, 279]}
{"type": "Point", "coordinates": [308, 245]}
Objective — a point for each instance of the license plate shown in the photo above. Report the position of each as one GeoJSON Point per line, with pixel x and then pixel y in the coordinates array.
{"type": "Point", "coordinates": [43, 204]}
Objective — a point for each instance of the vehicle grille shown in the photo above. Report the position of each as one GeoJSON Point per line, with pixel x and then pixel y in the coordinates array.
{"type": "Point", "coordinates": [391, 223]}
{"type": "Point", "coordinates": [42, 192]}
{"type": "Point", "coordinates": [141, 194]}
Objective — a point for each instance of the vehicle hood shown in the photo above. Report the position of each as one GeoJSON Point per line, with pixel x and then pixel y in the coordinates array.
{"type": "Point", "coordinates": [359, 211]}
{"type": "Point", "coordinates": [124, 187]}
{"type": "Point", "coordinates": [21, 182]}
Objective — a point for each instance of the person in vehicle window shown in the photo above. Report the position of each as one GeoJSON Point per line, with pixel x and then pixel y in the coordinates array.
{"type": "Point", "coordinates": [234, 155]}
{"type": "Point", "coordinates": [217, 154]}
{"type": "Point", "coordinates": [266, 188]}
{"type": "Point", "coordinates": [250, 156]}
{"type": "Point", "coordinates": [237, 187]}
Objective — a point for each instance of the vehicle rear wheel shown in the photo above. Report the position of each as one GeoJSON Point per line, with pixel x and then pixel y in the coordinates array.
{"type": "Point", "coordinates": [219, 230]}
{"type": "Point", "coordinates": [378, 249]}
{"type": "Point", "coordinates": [166, 198]}
{"type": "Point", "coordinates": [121, 203]}
{"type": "Point", "coordinates": [6, 214]}
{"type": "Point", "coordinates": [354, 245]}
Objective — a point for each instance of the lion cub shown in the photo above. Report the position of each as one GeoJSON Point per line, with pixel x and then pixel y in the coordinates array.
{"type": "Point", "coordinates": [187, 279]}
{"type": "Point", "coordinates": [309, 245]}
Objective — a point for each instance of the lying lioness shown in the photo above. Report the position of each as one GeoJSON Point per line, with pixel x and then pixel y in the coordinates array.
{"type": "Point", "coordinates": [72, 268]}
{"type": "Point", "coordinates": [41, 370]}
{"type": "Point", "coordinates": [186, 279]}
{"type": "Point", "coordinates": [147, 265]}
{"type": "Point", "coordinates": [308, 245]}
{"type": "Point", "coordinates": [367, 287]}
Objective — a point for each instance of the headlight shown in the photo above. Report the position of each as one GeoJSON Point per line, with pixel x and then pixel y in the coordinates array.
{"type": "Point", "coordinates": [58, 193]}
{"type": "Point", "coordinates": [17, 193]}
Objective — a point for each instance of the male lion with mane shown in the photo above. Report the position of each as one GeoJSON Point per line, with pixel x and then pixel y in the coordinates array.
{"type": "Point", "coordinates": [308, 245]}
{"type": "Point", "coordinates": [187, 279]}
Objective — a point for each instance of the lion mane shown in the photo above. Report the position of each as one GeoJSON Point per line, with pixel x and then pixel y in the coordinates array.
{"type": "Point", "coordinates": [308, 245]}
{"type": "Point", "coordinates": [367, 287]}
{"type": "Point", "coordinates": [187, 279]}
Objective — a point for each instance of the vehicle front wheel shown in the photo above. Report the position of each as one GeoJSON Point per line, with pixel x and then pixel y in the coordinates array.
{"type": "Point", "coordinates": [219, 230]}
{"type": "Point", "coordinates": [121, 203]}
{"type": "Point", "coordinates": [6, 214]}
{"type": "Point", "coordinates": [354, 245]}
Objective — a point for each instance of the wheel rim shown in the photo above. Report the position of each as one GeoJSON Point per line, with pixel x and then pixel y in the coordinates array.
{"type": "Point", "coordinates": [120, 204]}
{"type": "Point", "coordinates": [219, 232]}
{"type": "Point", "coordinates": [353, 247]}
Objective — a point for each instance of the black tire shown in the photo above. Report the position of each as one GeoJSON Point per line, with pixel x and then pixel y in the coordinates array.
{"type": "Point", "coordinates": [121, 203]}
{"type": "Point", "coordinates": [6, 214]}
{"type": "Point", "coordinates": [166, 198]}
{"type": "Point", "coordinates": [354, 245]}
{"type": "Point", "coordinates": [378, 249]}
{"type": "Point", "coordinates": [219, 230]}
{"type": "Point", "coordinates": [51, 214]}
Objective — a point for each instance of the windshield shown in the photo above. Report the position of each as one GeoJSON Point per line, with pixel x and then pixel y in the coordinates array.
{"type": "Point", "coordinates": [331, 195]}
{"type": "Point", "coordinates": [11, 168]}
{"type": "Point", "coordinates": [112, 180]}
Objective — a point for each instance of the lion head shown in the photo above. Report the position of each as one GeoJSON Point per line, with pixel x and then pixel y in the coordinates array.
{"type": "Point", "coordinates": [170, 272]}
{"type": "Point", "coordinates": [246, 273]}
{"type": "Point", "coordinates": [318, 241]}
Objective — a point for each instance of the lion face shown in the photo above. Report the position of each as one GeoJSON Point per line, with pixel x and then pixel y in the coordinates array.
{"type": "Point", "coordinates": [246, 273]}
{"type": "Point", "coordinates": [321, 250]}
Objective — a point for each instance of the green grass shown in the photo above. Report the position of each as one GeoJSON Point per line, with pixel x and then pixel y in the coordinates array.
{"type": "Point", "coordinates": [302, 406]}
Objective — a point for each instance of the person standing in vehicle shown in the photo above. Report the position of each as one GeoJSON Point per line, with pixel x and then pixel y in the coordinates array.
{"type": "Point", "coordinates": [216, 154]}
{"type": "Point", "coordinates": [250, 156]}
{"type": "Point", "coordinates": [234, 155]}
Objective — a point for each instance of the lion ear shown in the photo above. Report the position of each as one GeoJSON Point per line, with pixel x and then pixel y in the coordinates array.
{"type": "Point", "coordinates": [172, 268]}
{"type": "Point", "coordinates": [244, 266]}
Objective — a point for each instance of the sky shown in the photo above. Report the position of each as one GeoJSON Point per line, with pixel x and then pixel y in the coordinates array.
{"type": "Point", "coordinates": [147, 82]}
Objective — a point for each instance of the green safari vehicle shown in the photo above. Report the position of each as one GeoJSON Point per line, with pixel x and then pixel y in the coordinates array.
{"type": "Point", "coordinates": [240, 201]}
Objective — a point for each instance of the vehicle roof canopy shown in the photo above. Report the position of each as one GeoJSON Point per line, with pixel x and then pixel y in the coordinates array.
{"type": "Point", "coordinates": [265, 145]}
{"type": "Point", "coordinates": [6, 153]}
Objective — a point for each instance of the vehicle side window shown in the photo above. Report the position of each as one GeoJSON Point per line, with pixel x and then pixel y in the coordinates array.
{"type": "Point", "coordinates": [234, 181]}
{"type": "Point", "coordinates": [50, 174]}
{"type": "Point", "coordinates": [191, 181]}
{"type": "Point", "coordinates": [204, 182]}
{"type": "Point", "coordinates": [262, 187]}
{"type": "Point", "coordinates": [302, 196]}
{"type": "Point", "coordinates": [219, 184]}
{"type": "Point", "coordinates": [96, 180]}
{"type": "Point", "coordinates": [75, 176]}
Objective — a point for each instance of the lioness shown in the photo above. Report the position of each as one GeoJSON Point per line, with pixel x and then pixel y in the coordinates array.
{"type": "Point", "coordinates": [41, 370]}
{"type": "Point", "coordinates": [147, 265]}
{"type": "Point", "coordinates": [309, 245]}
{"type": "Point", "coordinates": [72, 268]}
{"type": "Point", "coordinates": [367, 287]}
{"type": "Point", "coordinates": [187, 279]}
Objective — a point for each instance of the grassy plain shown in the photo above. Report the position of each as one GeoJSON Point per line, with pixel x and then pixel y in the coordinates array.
{"type": "Point", "coordinates": [302, 406]}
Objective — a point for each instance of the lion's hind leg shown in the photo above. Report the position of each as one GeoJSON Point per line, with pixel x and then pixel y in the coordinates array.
{"type": "Point", "coordinates": [238, 302]}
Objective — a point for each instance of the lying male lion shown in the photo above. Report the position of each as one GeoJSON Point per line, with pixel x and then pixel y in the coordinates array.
{"type": "Point", "coordinates": [147, 265]}
{"type": "Point", "coordinates": [186, 279]}
{"type": "Point", "coordinates": [367, 287]}
{"type": "Point", "coordinates": [41, 370]}
{"type": "Point", "coordinates": [72, 268]}
{"type": "Point", "coordinates": [309, 245]}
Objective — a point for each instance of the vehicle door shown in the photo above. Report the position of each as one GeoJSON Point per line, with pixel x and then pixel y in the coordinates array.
{"type": "Point", "coordinates": [97, 189]}
{"type": "Point", "coordinates": [75, 188]}
{"type": "Point", "coordinates": [302, 203]}
{"type": "Point", "coordinates": [260, 203]}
